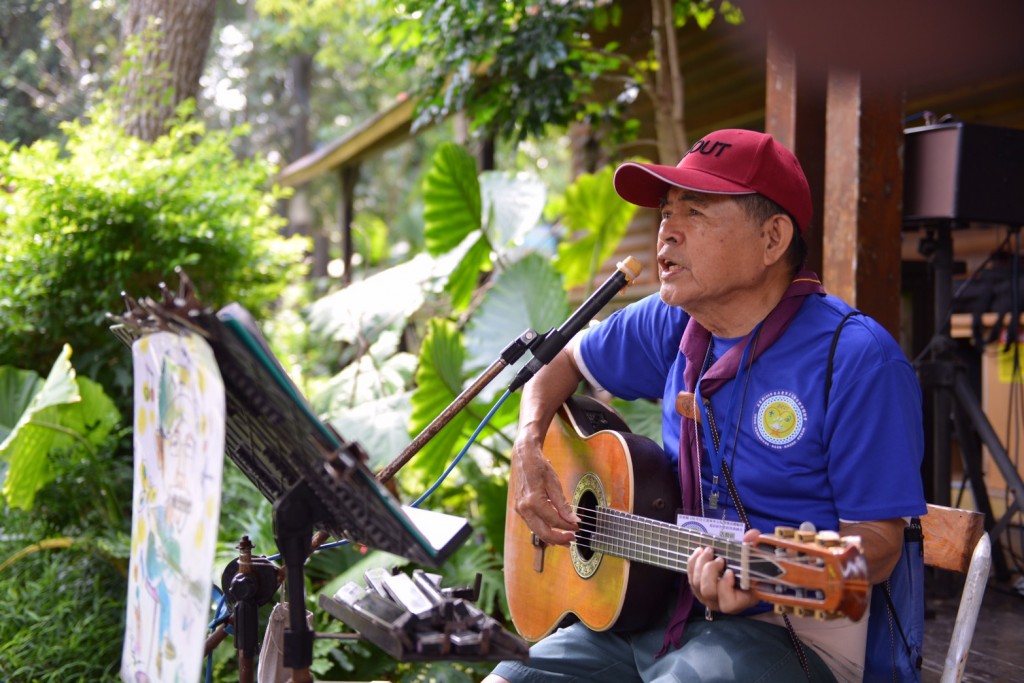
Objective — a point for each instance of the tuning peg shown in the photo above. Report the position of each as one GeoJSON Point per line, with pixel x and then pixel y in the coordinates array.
{"type": "Point", "coordinates": [804, 536]}
{"type": "Point", "coordinates": [785, 531]}
{"type": "Point", "coordinates": [829, 539]}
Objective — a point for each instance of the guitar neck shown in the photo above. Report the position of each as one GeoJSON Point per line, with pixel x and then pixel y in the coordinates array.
{"type": "Point", "coordinates": [639, 539]}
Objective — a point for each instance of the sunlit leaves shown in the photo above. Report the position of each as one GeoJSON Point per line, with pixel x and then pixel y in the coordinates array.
{"type": "Point", "coordinates": [62, 412]}
{"type": "Point", "coordinates": [104, 213]}
{"type": "Point", "coordinates": [451, 196]}
{"type": "Point", "coordinates": [512, 205]}
{"type": "Point", "coordinates": [466, 277]}
{"type": "Point", "coordinates": [359, 313]}
{"type": "Point", "coordinates": [705, 11]}
{"type": "Point", "coordinates": [17, 387]}
{"type": "Point", "coordinates": [438, 382]}
{"type": "Point", "coordinates": [516, 68]}
{"type": "Point", "coordinates": [597, 219]}
{"type": "Point", "coordinates": [481, 215]}
{"type": "Point", "coordinates": [379, 426]}
{"type": "Point", "coordinates": [529, 294]}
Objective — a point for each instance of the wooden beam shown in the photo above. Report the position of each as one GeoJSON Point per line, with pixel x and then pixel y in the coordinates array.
{"type": "Point", "coordinates": [863, 194]}
{"type": "Point", "coordinates": [384, 130]}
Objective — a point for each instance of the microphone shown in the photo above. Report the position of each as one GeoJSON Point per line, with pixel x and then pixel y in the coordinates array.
{"type": "Point", "coordinates": [555, 340]}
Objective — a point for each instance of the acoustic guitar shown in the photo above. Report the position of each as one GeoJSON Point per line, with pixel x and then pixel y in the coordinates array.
{"type": "Point", "coordinates": [620, 571]}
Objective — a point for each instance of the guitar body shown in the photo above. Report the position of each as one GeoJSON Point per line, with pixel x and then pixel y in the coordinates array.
{"type": "Point", "coordinates": [599, 462]}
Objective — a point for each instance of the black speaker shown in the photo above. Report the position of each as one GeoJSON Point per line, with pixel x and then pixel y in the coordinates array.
{"type": "Point", "coordinates": [961, 173]}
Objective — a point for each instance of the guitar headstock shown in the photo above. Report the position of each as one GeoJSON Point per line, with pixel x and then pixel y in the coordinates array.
{"type": "Point", "coordinates": [809, 573]}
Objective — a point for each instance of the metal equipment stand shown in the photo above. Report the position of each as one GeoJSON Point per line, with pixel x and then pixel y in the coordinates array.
{"type": "Point", "coordinates": [956, 405]}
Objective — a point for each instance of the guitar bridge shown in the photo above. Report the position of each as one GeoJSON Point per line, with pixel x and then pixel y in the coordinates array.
{"type": "Point", "coordinates": [538, 552]}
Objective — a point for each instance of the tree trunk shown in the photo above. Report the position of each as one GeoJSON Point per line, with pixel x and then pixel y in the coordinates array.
{"type": "Point", "coordinates": [301, 216]}
{"type": "Point", "coordinates": [669, 107]}
{"type": "Point", "coordinates": [173, 41]}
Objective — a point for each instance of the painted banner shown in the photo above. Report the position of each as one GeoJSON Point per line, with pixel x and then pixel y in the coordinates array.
{"type": "Point", "coordinates": [179, 459]}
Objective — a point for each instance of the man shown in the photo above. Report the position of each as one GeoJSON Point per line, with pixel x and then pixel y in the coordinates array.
{"type": "Point", "coordinates": [740, 337]}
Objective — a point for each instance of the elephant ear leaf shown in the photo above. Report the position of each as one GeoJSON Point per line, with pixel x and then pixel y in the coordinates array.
{"type": "Point", "coordinates": [453, 220]}
{"type": "Point", "coordinates": [438, 383]}
{"type": "Point", "coordinates": [452, 207]}
{"type": "Point", "coordinates": [17, 387]}
{"type": "Point", "coordinates": [597, 219]}
{"type": "Point", "coordinates": [38, 431]}
{"type": "Point", "coordinates": [527, 295]}
{"type": "Point", "coordinates": [465, 277]}
{"type": "Point", "coordinates": [512, 205]}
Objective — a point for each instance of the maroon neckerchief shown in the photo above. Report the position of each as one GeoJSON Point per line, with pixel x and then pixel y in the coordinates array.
{"type": "Point", "coordinates": [694, 346]}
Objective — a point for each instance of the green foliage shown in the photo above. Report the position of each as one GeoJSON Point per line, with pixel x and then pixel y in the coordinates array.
{"type": "Point", "coordinates": [438, 382]}
{"type": "Point", "coordinates": [705, 11]}
{"type": "Point", "coordinates": [597, 219]}
{"type": "Point", "coordinates": [62, 564]}
{"type": "Point", "coordinates": [475, 218]}
{"type": "Point", "coordinates": [54, 58]}
{"type": "Point", "coordinates": [528, 294]}
{"type": "Point", "coordinates": [336, 33]}
{"type": "Point", "coordinates": [516, 67]}
{"type": "Point", "coordinates": [643, 417]}
{"type": "Point", "coordinates": [104, 214]}
{"type": "Point", "coordinates": [61, 414]}
{"type": "Point", "coordinates": [452, 207]}
{"type": "Point", "coordinates": [519, 67]}
{"type": "Point", "coordinates": [61, 617]}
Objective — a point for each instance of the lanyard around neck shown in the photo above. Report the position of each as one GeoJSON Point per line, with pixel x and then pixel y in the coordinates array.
{"type": "Point", "coordinates": [716, 452]}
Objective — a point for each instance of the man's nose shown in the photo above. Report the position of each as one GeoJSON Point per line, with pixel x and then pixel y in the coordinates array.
{"type": "Point", "coordinates": [668, 233]}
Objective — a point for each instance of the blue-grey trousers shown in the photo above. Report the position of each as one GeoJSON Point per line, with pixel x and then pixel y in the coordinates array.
{"type": "Point", "coordinates": [729, 648]}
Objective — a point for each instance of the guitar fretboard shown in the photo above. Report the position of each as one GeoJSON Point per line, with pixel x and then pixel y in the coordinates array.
{"type": "Point", "coordinates": [661, 544]}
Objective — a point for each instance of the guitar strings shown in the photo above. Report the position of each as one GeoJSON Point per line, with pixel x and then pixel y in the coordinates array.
{"type": "Point", "coordinates": [636, 541]}
{"type": "Point", "coordinates": [638, 538]}
{"type": "Point", "coordinates": [639, 548]}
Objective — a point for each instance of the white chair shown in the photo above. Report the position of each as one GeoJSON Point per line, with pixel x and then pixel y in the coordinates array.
{"type": "Point", "coordinates": [956, 540]}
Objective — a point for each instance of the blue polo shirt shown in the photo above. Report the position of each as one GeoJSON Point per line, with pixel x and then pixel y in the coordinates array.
{"type": "Point", "coordinates": [792, 460]}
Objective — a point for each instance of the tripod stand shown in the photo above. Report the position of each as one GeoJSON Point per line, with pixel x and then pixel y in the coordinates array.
{"type": "Point", "coordinates": [943, 377]}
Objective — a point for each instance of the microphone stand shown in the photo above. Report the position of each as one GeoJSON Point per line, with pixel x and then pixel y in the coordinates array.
{"type": "Point", "coordinates": [543, 347]}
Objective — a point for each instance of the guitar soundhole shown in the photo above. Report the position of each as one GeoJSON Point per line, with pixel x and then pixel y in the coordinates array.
{"type": "Point", "coordinates": [586, 508]}
{"type": "Point", "coordinates": [588, 498]}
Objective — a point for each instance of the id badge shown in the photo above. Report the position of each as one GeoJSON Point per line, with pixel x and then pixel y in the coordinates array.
{"type": "Point", "coordinates": [716, 528]}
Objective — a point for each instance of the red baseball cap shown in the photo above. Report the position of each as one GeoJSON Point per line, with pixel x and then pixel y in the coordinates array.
{"type": "Point", "coordinates": [730, 161]}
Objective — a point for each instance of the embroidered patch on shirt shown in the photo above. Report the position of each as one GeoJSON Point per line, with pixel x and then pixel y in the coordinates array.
{"type": "Point", "coordinates": [779, 419]}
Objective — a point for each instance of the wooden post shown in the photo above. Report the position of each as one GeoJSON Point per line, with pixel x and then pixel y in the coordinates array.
{"type": "Point", "coordinates": [795, 116]}
{"type": "Point", "coordinates": [348, 175]}
{"type": "Point", "coordinates": [863, 194]}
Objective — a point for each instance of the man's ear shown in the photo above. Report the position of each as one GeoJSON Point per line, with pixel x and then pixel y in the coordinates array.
{"type": "Point", "coordinates": [777, 233]}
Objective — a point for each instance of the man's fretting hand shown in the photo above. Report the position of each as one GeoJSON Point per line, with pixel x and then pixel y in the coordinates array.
{"type": "Point", "coordinates": [714, 584]}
